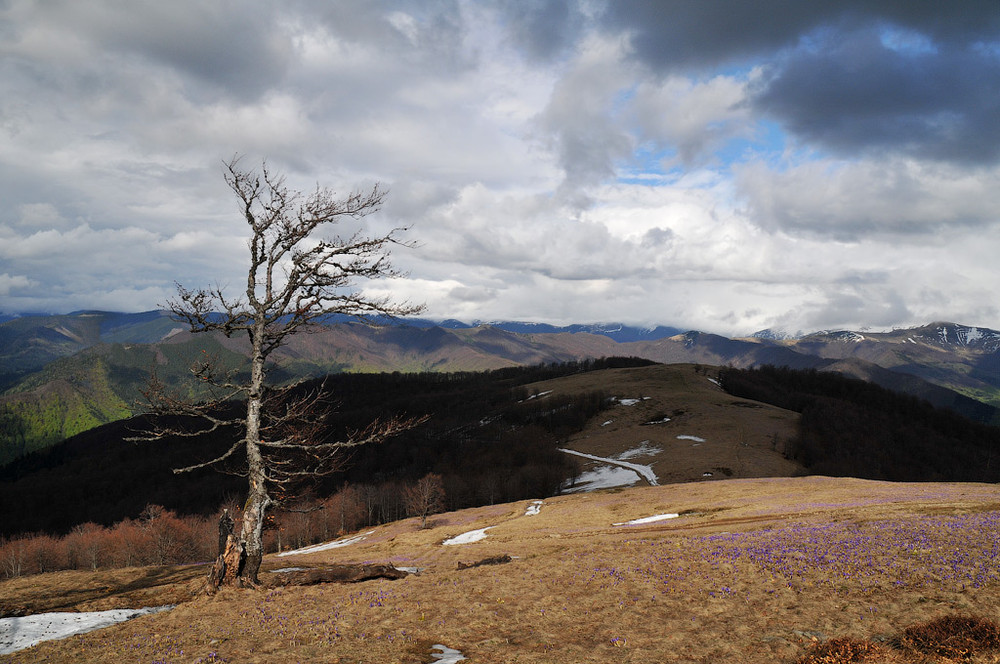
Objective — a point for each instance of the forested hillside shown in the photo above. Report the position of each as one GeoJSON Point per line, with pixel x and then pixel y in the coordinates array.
{"type": "Point", "coordinates": [853, 428]}
{"type": "Point", "coordinates": [486, 437]}
{"type": "Point", "coordinates": [61, 375]}
{"type": "Point", "coordinates": [97, 385]}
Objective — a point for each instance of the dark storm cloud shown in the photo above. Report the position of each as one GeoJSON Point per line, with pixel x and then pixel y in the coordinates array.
{"type": "Point", "coordinates": [543, 30]}
{"type": "Point", "coordinates": [857, 94]}
{"type": "Point", "coordinates": [917, 78]}
{"type": "Point", "coordinates": [668, 35]}
{"type": "Point", "coordinates": [241, 53]}
{"type": "Point", "coordinates": [712, 32]}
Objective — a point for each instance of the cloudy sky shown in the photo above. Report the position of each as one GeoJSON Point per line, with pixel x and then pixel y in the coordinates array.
{"type": "Point", "coordinates": [727, 166]}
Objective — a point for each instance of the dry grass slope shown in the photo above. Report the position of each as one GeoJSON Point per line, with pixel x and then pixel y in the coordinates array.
{"type": "Point", "coordinates": [702, 432]}
{"type": "Point", "coordinates": [754, 570]}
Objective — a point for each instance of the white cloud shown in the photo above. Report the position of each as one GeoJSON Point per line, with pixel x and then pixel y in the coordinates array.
{"type": "Point", "coordinates": [589, 161]}
{"type": "Point", "coordinates": [899, 197]}
{"type": "Point", "coordinates": [580, 123]}
{"type": "Point", "coordinates": [10, 283]}
{"type": "Point", "coordinates": [694, 118]}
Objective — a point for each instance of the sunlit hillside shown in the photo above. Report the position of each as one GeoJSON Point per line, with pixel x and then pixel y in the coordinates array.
{"type": "Point", "coordinates": [757, 570]}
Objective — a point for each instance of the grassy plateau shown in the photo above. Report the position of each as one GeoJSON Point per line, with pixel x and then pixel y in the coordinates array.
{"type": "Point", "coordinates": [807, 569]}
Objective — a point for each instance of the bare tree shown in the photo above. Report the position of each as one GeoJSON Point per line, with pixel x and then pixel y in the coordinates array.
{"type": "Point", "coordinates": [300, 272]}
{"type": "Point", "coordinates": [425, 497]}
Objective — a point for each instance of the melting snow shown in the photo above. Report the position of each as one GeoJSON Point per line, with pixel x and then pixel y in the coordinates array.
{"type": "Point", "coordinates": [647, 519]}
{"type": "Point", "coordinates": [447, 655]}
{"type": "Point", "coordinates": [467, 538]}
{"type": "Point", "coordinates": [534, 508]}
{"type": "Point", "coordinates": [694, 438]}
{"type": "Point", "coordinates": [644, 471]}
{"type": "Point", "coordinates": [631, 402]}
{"type": "Point", "coordinates": [644, 449]}
{"type": "Point", "coordinates": [336, 544]}
{"type": "Point", "coordinates": [408, 570]}
{"type": "Point", "coordinates": [974, 334]}
{"type": "Point", "coordinates": [24, 632]}
{"type": "Point", "coordinates": [602, 477]}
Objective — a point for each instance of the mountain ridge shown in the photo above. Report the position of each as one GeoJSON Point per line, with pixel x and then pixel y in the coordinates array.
{"type": "Point", "coordinates": [948, 364]}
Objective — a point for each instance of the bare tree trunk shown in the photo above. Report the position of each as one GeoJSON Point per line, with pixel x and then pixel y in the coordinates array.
{"type": "Point", "coordinates": [226, 525]}
{"type": "Point", "coordinates": [258, 500]}
{"type": "Point", "coordinates": [228, 566]}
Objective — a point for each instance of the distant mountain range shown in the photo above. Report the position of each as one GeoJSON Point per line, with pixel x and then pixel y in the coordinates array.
{"type": "Point", "coordinates": [63, 374]}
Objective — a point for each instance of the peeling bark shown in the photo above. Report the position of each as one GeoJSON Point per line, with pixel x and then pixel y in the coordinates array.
{"type": "Point", "coordinates": [228, 566]}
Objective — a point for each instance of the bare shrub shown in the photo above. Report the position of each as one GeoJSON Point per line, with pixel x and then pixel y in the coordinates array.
{"type": "Point", "coordinates": [953, 637]}
{"type": "Point", "coordinates": [843, 651]}
{"type": "Point", "coordinates": [347, 509]}
{"type": "Point", "coordinates": [129, 544]}
{"type": "Point", "coordinates": [172, 540]}
{"type": "Point", "coordinates": [12, 557]}
{"type": "Point", "coordinates": [426, 497]}
{"type": "Point", "coordinates": [45, 554]}
{"type": "Point", "coordinates": [88, 542]}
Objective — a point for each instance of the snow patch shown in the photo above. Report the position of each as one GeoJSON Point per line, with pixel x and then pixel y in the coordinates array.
{"type": "Point", "coordinates": [644, 471]}
{"type": "Point", "coordinates": [173, 331]}
{"type": "Point", "coordinates": [846, 336]}
{"type": "Point", "coordinates": [644, 449]}
{"type": "Point", "coordinates": [694, 438]}
{"type": "Point", "coordinates": [336, 544]}
{"type": "Point", "coordinates": [602, 477]}
{"type": "Point", "coordinates": [467, 538]}
{"type": "Point", "coordinates": [647, 519]}
{"type": "Point", "coordinates": [447, 655]}
{"type": "Point", "coordinates": [534, 508]}
{"type": "Point", "coordinates": [538, 396]}
{"type": "Point", "coordinates": [26, 631]}
{"type": "Point", "coordinates": [631, 402]}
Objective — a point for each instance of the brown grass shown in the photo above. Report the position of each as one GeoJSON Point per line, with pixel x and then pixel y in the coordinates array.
{"type": "Point", "coordinates": [742, 439]}
{"type": "Point", "coordinates": [753, 571]}
{"type": "Point", "coordinates": [843, 651]}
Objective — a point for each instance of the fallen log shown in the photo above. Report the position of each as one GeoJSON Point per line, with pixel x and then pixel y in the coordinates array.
{"type": "Point", "coordinates": [492, 560]}
{"type": "Point", "coordinates": [334, 574]}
